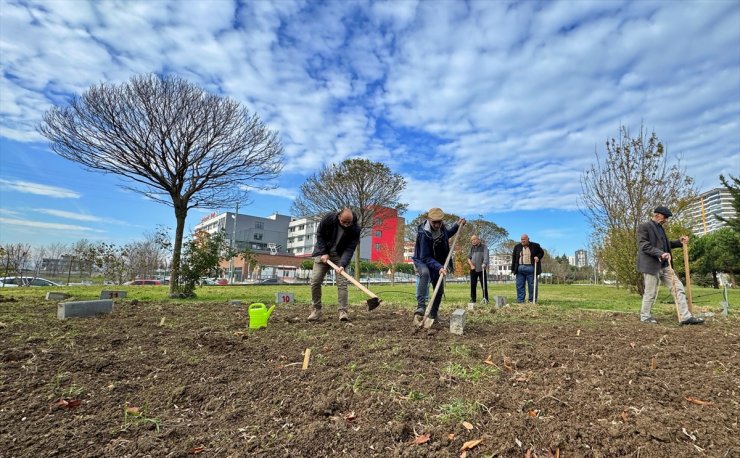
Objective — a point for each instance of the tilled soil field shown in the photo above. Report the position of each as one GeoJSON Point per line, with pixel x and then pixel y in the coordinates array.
{"type": "Point", "coordinates": [157, 379]}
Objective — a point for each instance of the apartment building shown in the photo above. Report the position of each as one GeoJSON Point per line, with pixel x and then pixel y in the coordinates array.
{"type": "Point", "coordinates": [256, 233]}
{"type": "Point", "coordinates": [704, 211]}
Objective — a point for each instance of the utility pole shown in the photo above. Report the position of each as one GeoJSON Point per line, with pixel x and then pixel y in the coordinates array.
{"type": "Point", "coordinates": [232, 245]}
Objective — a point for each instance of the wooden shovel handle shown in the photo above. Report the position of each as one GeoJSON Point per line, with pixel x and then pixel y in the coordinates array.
{"type": "Point", "coordinates": [351, 278]}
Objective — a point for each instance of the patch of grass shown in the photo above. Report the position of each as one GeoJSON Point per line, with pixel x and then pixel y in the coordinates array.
{"type": "Point", "coordinates": [378, 343]}
{"type": "Point", "coordinates": [457, 410]}
{"type": "Point", "coordinates": [394, 366]}
{"type": "Point", "coordinates": [460, 350]}
{"type": "Point", "coordinates": [472, 374]}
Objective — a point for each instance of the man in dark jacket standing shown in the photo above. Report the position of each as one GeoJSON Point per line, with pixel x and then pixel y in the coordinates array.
{"type": "Point", "coordinates": [430, 252]}
{"type": "Point", "coordinates": [336, 239]}
{"type": "Point", "coordinates": [654, 261]}
{"type": "Point", "coordinates": [525, 257]}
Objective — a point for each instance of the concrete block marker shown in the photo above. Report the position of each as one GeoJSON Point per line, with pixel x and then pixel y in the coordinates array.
{"type": "Point", "coordinates": [457, 322]}
{"type": "Point", "coordinates": [112, 294]}
{"type": "Point", "coordinates": [83, 308]}
{"type": "Point", "coordinates": [500, 301]}
{"type": "Point", "coordinates": [284, 298]}
{"type": "Point", "coordinates": [54, 296]}
{"type": "Point", "coordinates": [235, 302]}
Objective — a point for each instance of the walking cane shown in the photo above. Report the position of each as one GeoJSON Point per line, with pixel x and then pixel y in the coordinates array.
{"type": "Point", "coordinates": [688, 277]}
{"type": "Point", "coordinates": [484, 286]}
{"type": "Point", "coordinates": [534, 296]}
{"type": "Point", "coordinates": [673, 288]}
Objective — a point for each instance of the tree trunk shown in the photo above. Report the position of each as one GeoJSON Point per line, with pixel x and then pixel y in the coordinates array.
{"type": "Point", "coordinates": [180, 215]}
{"type": "Point", "coordinates": [715, 280]}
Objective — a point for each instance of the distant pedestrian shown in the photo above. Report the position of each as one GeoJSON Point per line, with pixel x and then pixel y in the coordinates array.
{"type": "Point", "coordinates": [478, 261]}
{"type": "Point", "coordinates": [336, 239]}
{"type": "Point", "coordinates": [654, 261]}
{"type": "Point", "coordinates": [525, 257]}
{"type": "Point", "coordinates": [430, 252]}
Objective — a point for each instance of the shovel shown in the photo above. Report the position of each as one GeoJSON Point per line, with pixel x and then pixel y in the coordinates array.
{"type": "Point", "coordinates": [374, 300]}
{"type": "Point", "coordinates": [534, 297]}
{"type": "Point", "coordinates": [428, 322]}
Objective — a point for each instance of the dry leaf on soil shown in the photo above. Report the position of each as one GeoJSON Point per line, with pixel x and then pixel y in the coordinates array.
{"type": "Point", "coordinates": [697, 401]}
{"type": "Point", "coordinates": [197, 450]}
{"type": "Point", "coordinates": [421, 439]}
{"type": "Point", "coordinates": [467, 425]}
{"type": "Point", "coordinates": [534, 413]}
{"type": "Point", "coordinates": [451, 436]}
{"type": "Point", "coordinates": [471, 444]}
{"type": "Point", "coordinates": [133, 411]}
{"type": "Point", "coordinates": [624, 416]}
{"type": "Point", "coordinates": [350, 417]}
{"type": "Point", "coordinates": [66, 403]}
{"type": "Point", "coordinates": [488, 361]}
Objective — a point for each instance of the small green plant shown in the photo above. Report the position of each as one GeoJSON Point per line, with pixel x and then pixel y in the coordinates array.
{"type": "Point", "coordinates": [73, 391]}
{"type": "Point", "coordinates": [134, 416]}
{"type": "Point", "coordinates": [458, 410]}
{"type": "Point", "coordinates": [357, 385]}
{"type": "Point", "coordinates": [352, 366]}
{"type": "Point", "coordinates": [415, 396]}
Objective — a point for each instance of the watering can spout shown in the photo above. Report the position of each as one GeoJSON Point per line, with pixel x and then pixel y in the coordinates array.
{"type": "Point", "coordinates": [269, 311]}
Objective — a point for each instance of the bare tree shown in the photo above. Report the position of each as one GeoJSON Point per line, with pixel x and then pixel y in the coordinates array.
{"type": "Point", "coordinates": [368, 188]}
{"type": "Point", "coordinates": [169, 140]}
{"type": "Point", "coordinates": [620, 191]}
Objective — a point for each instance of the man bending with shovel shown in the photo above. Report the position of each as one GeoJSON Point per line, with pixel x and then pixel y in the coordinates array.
{"type": "Point", "coordinates": [336, 239]}
{"type": "Point", "coordinates": [430, 253]}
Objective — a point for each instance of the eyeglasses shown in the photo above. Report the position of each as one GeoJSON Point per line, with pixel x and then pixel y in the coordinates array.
{"type": "Point", "coordinates": [345, 223]}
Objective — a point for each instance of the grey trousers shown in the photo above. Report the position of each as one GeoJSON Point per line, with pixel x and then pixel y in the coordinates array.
{"type": "Point", "coordinates": [651, 293]}
{"type": "Point", "coordinates": [317, 277]}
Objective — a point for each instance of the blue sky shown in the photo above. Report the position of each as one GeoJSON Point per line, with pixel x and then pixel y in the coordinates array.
{"type": "Point", "coordinates": [485, 107]}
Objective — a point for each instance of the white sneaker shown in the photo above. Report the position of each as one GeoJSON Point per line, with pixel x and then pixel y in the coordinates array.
{"type": "Point", "coordinates": [315, 315]}
{"type": "Point", "coordinates": [343, 315]}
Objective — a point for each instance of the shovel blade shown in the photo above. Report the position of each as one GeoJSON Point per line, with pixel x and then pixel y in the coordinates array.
{"type": "Point", "coordinates": [373, 303]}
{"type": "Point", "coordinates": [428, 322]}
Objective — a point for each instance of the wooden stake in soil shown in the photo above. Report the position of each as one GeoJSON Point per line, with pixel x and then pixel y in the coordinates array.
{"type": "Point", "coordinates": [688, 278]}
{"type": "Point", "coordinates": [306, 357]}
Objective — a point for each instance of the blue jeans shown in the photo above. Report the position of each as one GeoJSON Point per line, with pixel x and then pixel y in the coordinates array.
{"type": "Point", "coordinates": [427, 278]}
{"type": "Point", "coordinates": [525, 274]}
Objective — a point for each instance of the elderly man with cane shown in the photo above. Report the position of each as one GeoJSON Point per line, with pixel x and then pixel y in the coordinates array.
{"type": "Point", "coordinates": [654, 261]}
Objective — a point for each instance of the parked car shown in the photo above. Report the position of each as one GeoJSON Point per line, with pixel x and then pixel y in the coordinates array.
{"type": "Point", "coordinates": [13, 282]}
{"type": "Point", "coordinates": [271, 281]}
{"type": "Point", "coordinates": [143, 282]}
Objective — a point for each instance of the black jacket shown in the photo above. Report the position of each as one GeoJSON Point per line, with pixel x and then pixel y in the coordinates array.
{"type": "Point", "coordinates": [651, 246]}
{"type": "Point", "coordinates": [534, 249]}
{"type": "Point", "coordinates": [327, 232]}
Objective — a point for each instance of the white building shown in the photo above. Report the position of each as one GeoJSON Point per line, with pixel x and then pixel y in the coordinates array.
{"type": "Point", "coordinates": [703, 213]}
{"type": "Point", "coordinates": [581, 258]}
{"type": "Point", "coordinates": [254, 232]}
{"type": "Point", "coordinates": [500, 268]}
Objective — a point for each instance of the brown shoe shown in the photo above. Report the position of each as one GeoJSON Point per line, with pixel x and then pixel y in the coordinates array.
{"type": "Point", "coordinates": [315, 315]}
{"type": "Point", "coordinates": [344, 316]}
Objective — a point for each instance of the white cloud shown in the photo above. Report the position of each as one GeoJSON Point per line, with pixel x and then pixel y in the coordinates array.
{"type": "Point", "coordinates": [45, 225]}
{"type": "Point", "coordinates": [70, 215]}
{"type": "Point", "coordinates": [38, 189]}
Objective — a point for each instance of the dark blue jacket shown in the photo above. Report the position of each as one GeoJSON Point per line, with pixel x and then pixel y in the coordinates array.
{"type": "Point", "coordinates": [327, 232]}
{"type": "Point", "coordinates": [425, 250]}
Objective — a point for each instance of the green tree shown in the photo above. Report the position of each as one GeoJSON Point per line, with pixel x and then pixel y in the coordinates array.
{"type": "Point", "coordinates": [170, 140]}
{"type": "Point", "coordinates": [200, 258]}
{"type": "Point", "coordinates": [366, 187]}
{"type": "Point", "coordinates": [620, 190]}
{"type": "Point", "coordinates": [732, 185]}
{"type": "Point", "coordinates": [716, 252]}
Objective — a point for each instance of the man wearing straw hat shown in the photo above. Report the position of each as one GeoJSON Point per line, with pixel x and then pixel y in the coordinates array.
{"type": "Point", "coordinates": [654, 261]}
{"type": "Point", "coordinates": [430, 252]}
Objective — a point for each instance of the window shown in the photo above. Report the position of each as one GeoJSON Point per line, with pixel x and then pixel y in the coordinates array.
{"type": "Point", "coordinates": [301, 227]}
{"type": "Point", "coordinates": [378, 234]}
{"type": "Point", "coordinates": [299, 239]}
{"type": "Point", "coordinates": [377, 247]}
{"type": "Point", "coordinates": [257, 236]}
{"type": "Point", "coordinates": [259, 225]}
